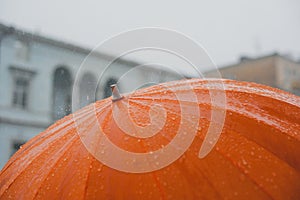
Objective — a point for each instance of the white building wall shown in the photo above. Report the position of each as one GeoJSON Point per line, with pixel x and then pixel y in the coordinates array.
{"type": "Point", "coordinates": [17, 124]}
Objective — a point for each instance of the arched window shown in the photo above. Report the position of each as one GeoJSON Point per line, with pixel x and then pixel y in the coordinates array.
{"type": "Point", "coordinates": [62, 84]}
{"type": "Point", "coordinates": [107, 90]}
{"type": "Point", "coordinates": [87, 89]}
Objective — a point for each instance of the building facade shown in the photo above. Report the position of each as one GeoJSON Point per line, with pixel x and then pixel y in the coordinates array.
{"type": "Point", "coordinates": [37, 78]}
{"type": "Point", "coordinates": [273, 70]}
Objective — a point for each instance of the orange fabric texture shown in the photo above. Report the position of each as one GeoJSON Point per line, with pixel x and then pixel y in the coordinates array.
{"type": "Point", "coordinates": [256, 156]}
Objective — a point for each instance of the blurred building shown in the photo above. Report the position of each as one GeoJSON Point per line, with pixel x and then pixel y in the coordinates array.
{"type": "Point", "coordinates": [37, 76]}
{"type": "Point", "coordinates": [273, 70]}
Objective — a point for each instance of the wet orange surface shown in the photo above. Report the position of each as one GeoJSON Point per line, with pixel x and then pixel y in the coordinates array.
{"type": "Point", "coordinates": [255, 157]}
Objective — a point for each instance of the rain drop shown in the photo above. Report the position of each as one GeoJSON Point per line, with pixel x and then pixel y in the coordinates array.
{"type": "Point", "coordinates": [244, 162]}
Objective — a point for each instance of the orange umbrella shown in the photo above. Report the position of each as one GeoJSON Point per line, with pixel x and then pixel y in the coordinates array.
{"type": "Point", "coordinates": [149, 145]}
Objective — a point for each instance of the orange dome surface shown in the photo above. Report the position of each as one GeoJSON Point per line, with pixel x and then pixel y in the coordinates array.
{"type": "Point", "coordinates": [255, 157]}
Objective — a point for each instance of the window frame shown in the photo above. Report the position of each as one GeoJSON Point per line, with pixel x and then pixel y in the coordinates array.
{"type": "Point", "coordinates": [21, 93]}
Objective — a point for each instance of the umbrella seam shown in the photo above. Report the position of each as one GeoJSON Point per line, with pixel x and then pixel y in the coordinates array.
{"type": "Point", "coordinates": [72, 140]}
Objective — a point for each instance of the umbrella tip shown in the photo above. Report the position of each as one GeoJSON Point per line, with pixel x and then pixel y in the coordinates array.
{"type": "Point", "coordinates": [115, 92]}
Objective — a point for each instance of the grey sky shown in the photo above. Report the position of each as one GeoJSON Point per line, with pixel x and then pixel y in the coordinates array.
{"type": "Point", "coordinates": [227, 29]}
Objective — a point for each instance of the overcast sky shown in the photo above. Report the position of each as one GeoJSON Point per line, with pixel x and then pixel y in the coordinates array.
{"type": "Point", "coordinates": [227, 29]}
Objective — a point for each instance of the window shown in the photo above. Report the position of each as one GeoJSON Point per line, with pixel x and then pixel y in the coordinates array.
{"type": "Point", "coordinates": [20, 96]}
{"type": "Point", "coordinates": [62, 99]}
{"type": "Point", "coordinates": [22, 50]}
{"type": "Point", "coordinates": [16, 145]}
